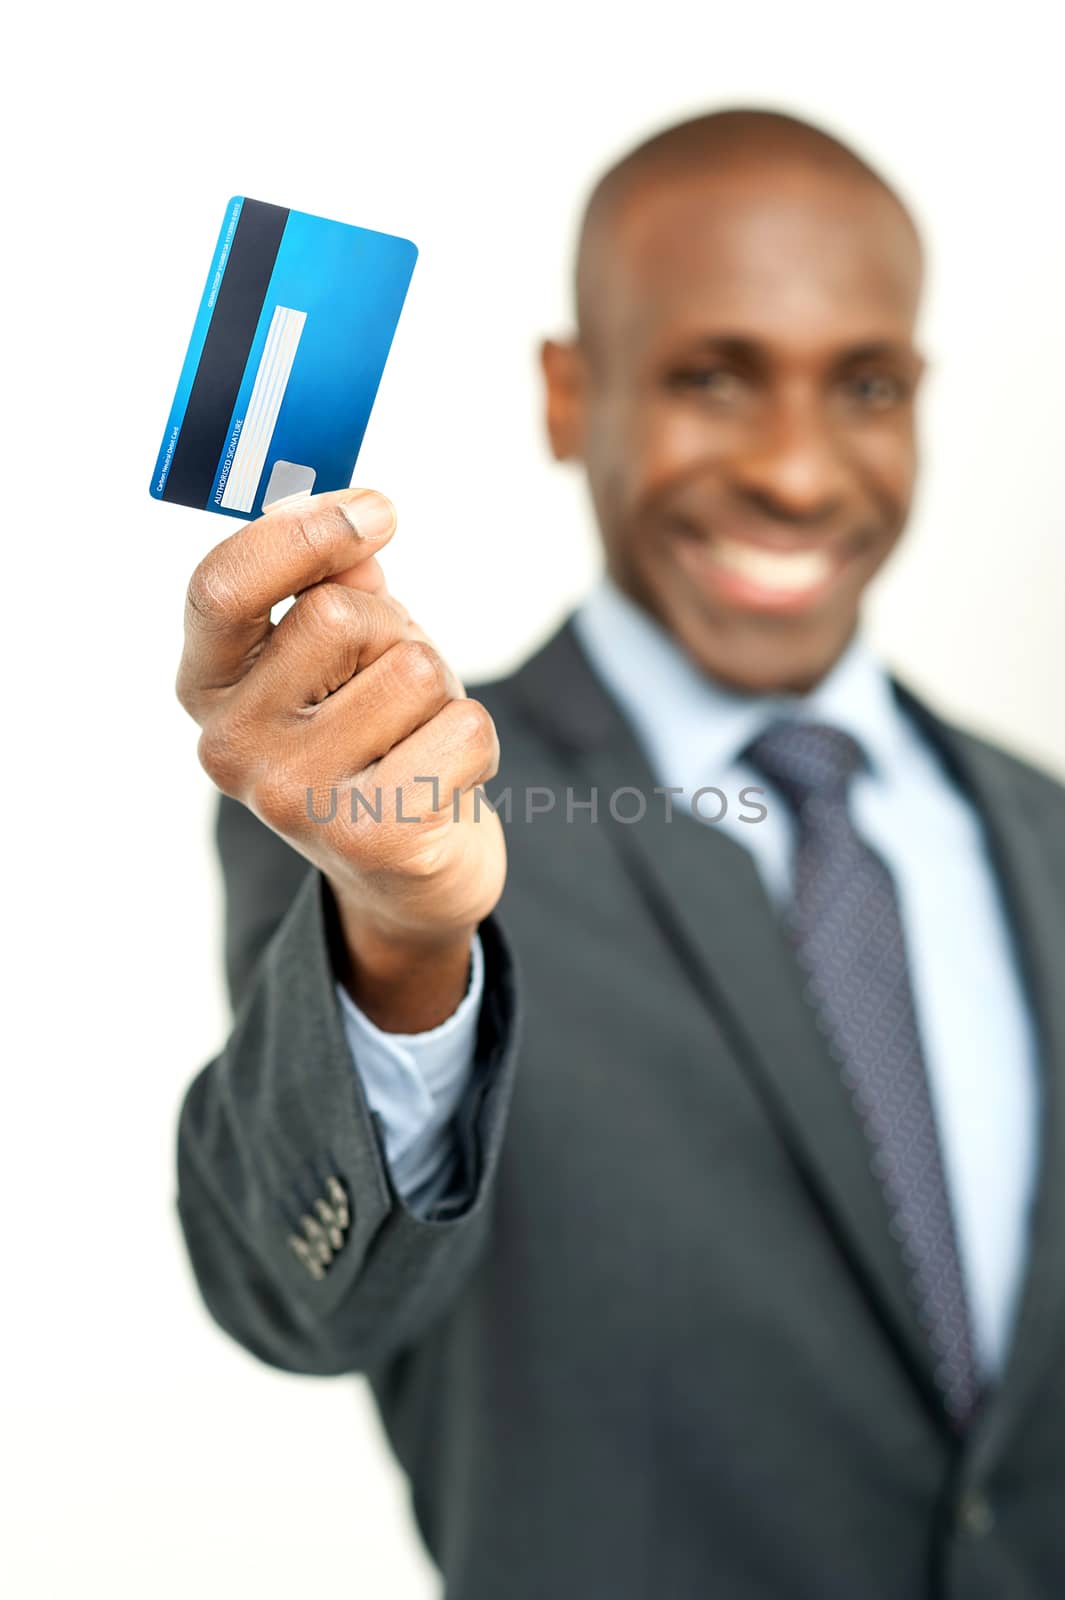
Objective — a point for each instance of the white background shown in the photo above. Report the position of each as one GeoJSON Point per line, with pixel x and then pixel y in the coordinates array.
{"type": "Point", "coordinates": [146, 1455]}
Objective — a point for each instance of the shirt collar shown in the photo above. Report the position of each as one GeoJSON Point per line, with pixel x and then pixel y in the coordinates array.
{"type": "Point", "coordinates": [691, 726]}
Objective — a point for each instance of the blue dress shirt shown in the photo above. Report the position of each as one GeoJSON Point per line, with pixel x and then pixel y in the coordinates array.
{"type": "Point", "coordinates": [978, 1038]}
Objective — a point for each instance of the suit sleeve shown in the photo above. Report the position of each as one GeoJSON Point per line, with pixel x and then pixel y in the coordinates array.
{"type": "Point", "coordinates": [278, 1124]}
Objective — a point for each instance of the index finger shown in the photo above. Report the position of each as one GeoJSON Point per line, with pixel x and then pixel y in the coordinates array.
{"type": "Point", "coordinates": [232, 591]}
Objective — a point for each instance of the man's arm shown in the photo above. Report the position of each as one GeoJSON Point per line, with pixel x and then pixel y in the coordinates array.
{"type": "Point", "coordinates": [280, 1117]}
{"type": "Point", "coordinates": [302, 1245]}
{"type": "Point", "coordinates": [414, 1082]}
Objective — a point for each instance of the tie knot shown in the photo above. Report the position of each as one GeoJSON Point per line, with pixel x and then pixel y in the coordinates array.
{"type": "Point", "coordinates": [806, 759]}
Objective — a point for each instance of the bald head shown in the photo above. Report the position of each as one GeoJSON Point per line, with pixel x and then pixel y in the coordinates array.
{"type": "Point", "coordinates": [723, 152]}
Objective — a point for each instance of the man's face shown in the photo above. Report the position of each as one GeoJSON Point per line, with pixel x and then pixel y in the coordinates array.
{"type": "Point", "coordinates": [744, 406]}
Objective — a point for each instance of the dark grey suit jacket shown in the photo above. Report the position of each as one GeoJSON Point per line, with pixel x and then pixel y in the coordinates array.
{"type": "Point", "coordinates": [664, 1350]}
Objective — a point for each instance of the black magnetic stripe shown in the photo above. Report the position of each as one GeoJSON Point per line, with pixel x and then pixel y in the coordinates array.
{"type": "Point", "coordinates": [225, 352]}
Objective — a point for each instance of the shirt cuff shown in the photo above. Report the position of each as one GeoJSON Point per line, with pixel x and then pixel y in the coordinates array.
{"type": "Point", "coordinates": [416, 1081]}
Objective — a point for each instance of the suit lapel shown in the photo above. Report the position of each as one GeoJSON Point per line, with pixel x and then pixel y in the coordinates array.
{"type": "Point", "coordinates": [707, 894]}
{"type": "Point", "coordinates": [1035, 901]}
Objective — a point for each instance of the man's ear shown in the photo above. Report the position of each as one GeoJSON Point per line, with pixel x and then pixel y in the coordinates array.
{"type": "Point", "coordinates": [565, 387]}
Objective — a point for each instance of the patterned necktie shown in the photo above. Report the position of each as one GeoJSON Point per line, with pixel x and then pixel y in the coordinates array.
{"type": "Point", "coordinates": [847, 935]}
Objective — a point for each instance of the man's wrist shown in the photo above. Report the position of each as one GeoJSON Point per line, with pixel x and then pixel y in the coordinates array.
{"type": "Point", "coordinates": [404, 983]}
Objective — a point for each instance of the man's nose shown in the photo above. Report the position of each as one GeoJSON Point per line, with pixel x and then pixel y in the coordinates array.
{"type": "Point", "coordinates": [792, 465]}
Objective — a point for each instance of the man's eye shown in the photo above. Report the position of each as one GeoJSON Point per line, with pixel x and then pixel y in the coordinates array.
{"type": "Point", "coordinates": [875, 391]}
{"type": "Point", "coordinates": [719, 383]}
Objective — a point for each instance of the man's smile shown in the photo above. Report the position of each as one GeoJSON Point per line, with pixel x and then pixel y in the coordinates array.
{"type": "Point", "coordinates": [769, 575]}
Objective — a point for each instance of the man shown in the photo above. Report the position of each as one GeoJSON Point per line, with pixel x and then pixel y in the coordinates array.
{"type": "Point", "coordinates": [696, 1202]}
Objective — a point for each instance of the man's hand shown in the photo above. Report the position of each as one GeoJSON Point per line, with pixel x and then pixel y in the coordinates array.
{"type": "Point", "coordinates": [346, 703]}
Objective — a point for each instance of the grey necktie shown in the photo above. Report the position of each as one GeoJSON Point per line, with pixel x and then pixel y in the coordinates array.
{"type": "Point", "coordinates": [847, 934]}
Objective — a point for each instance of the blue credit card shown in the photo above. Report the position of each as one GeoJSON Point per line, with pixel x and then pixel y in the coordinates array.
{"type": "Point", "coordinates": [295, 325]}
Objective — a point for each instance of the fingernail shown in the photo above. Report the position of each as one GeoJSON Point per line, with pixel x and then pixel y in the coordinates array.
{"type": "Point", "coordinates": [371, 515]}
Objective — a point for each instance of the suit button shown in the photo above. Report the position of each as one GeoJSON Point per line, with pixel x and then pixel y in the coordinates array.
{"type": "Point", "coordinates": [338, 1200]}
{"type": "Point", "coordinates": [976, 1516]}
{"type": "Point", "coordinates": [305, 1254]}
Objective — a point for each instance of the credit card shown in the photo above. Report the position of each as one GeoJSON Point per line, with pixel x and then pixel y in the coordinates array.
{"type": "Point", "coordinates": [295, 325]}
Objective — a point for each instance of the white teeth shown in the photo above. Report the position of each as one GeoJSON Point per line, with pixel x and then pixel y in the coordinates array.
{"type": "Point", "coordinates": [773, 569]}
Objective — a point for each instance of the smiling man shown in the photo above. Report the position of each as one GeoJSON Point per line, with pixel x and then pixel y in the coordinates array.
{"type": "Point", "coordinates": [692, 1192]}
{"type": "Point", "coordinates": [742, 389]}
